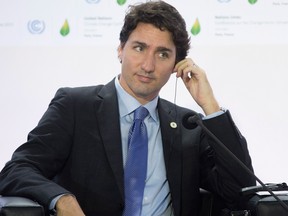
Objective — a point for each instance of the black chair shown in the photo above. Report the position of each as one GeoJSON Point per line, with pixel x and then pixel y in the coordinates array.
{"type": "Point", "coordinates": [20, 206]}
{"type": "Point", "coordinates": [252, 204]}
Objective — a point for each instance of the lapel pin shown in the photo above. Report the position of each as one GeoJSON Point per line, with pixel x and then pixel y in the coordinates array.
{"type": "Point", "coordinates": [173, 124]}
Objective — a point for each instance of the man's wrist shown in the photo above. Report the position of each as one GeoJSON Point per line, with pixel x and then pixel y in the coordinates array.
{"type": "Point", "coordinates": [211, 108]}
{"type": "Point", "coordinates": [52, 206]}
{"type": "Point", "coordinates": [68, 205]}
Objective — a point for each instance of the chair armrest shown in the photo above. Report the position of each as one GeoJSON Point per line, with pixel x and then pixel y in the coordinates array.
{"type": "Point", "coordinates": [15, 206]}
{"type": "Point", "coordinates": [206, 203]}
{"type": "Point", "coordinates": [212, 204]}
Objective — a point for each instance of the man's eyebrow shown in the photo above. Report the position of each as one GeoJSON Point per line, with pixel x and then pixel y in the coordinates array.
{"type": "Point", "coordinates": [160, 48]}
{"type": "Point", "coordinates": [140, 43]}
{"type": "Point", "coordinates": [164, 49]}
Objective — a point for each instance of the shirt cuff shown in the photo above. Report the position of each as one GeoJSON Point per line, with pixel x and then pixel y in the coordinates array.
{"type": "Point", "coordinates": [213, 115]}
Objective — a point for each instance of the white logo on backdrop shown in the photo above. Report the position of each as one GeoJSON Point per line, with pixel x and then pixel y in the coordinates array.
{"type": "Point", "coordinates": [224, 1]}
{"type": "Point", "coordinates": [36, 26]}
{"type": "Point", "coordinates": [92, 1]}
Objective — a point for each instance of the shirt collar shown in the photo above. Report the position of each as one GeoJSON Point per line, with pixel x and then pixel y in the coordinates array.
{"type": "Point", "coordinates": [127, 103]}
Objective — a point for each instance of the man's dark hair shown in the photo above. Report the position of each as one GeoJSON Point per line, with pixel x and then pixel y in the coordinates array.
{"type": "Point", "coordinates": [163, 16]}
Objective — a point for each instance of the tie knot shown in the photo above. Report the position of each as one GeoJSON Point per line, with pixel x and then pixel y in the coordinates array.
{"type": "Point", "coordinates": [140, 113]}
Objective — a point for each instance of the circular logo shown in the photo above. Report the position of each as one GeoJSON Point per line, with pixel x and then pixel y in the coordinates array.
{"type": "Point", "coordinates": [224, 1]}
{"type": "Point", "coordinates": [36, 26]}
{"type": "Point", "coordinates": [92, 1]}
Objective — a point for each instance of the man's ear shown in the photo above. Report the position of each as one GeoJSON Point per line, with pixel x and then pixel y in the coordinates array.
{"type": "Point", "coordinates": [119, 50]}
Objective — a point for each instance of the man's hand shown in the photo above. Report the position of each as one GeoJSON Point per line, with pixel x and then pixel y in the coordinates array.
{"type": "Point", "coordinates": [197, 84]}
{"type": "Point", "coordinates": [67, 205]}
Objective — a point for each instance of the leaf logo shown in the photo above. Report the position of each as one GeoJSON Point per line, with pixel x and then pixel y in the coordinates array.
{"type": "Point", "coordinates": [65, 30]}
{"type": "Point", "coordinates": [121, 2]}
{"type": "Point", "coordinates": [252, 1]}
{"type": "Point", "coordinates": [195, 30]}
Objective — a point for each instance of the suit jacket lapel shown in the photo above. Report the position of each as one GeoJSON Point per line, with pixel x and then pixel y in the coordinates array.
{"type": "Point", "coordinates": [108, 120]}
{"type": "Point", "coordinates": [172, 149]}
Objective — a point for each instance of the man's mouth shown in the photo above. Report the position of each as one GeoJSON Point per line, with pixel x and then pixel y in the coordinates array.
{"type": "Point", "coordinates": [144, 78]}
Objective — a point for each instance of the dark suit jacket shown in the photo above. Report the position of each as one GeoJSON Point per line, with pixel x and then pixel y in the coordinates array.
{"type": "Point", "coordinates": [76, 148]}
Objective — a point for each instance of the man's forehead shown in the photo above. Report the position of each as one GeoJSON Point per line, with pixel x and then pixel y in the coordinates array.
{"type": "Point", "coordinates": [150, 34]}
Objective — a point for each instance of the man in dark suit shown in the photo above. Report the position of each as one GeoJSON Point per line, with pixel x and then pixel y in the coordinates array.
{"type": "Point", "coordinates": [74, 160]}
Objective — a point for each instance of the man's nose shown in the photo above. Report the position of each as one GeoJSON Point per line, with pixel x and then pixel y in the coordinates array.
{"type": "Point", "coordinates": [148, 64]}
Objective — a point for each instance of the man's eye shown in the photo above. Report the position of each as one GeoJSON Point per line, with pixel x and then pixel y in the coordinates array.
{"type": "Point", "coordinates": [163, 55]}
{"type": "Point", "coordinates": [138, 48]}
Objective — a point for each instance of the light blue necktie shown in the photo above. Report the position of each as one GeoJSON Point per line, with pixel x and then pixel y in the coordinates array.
{"type": "Point", "coordinates": [136, 165]}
